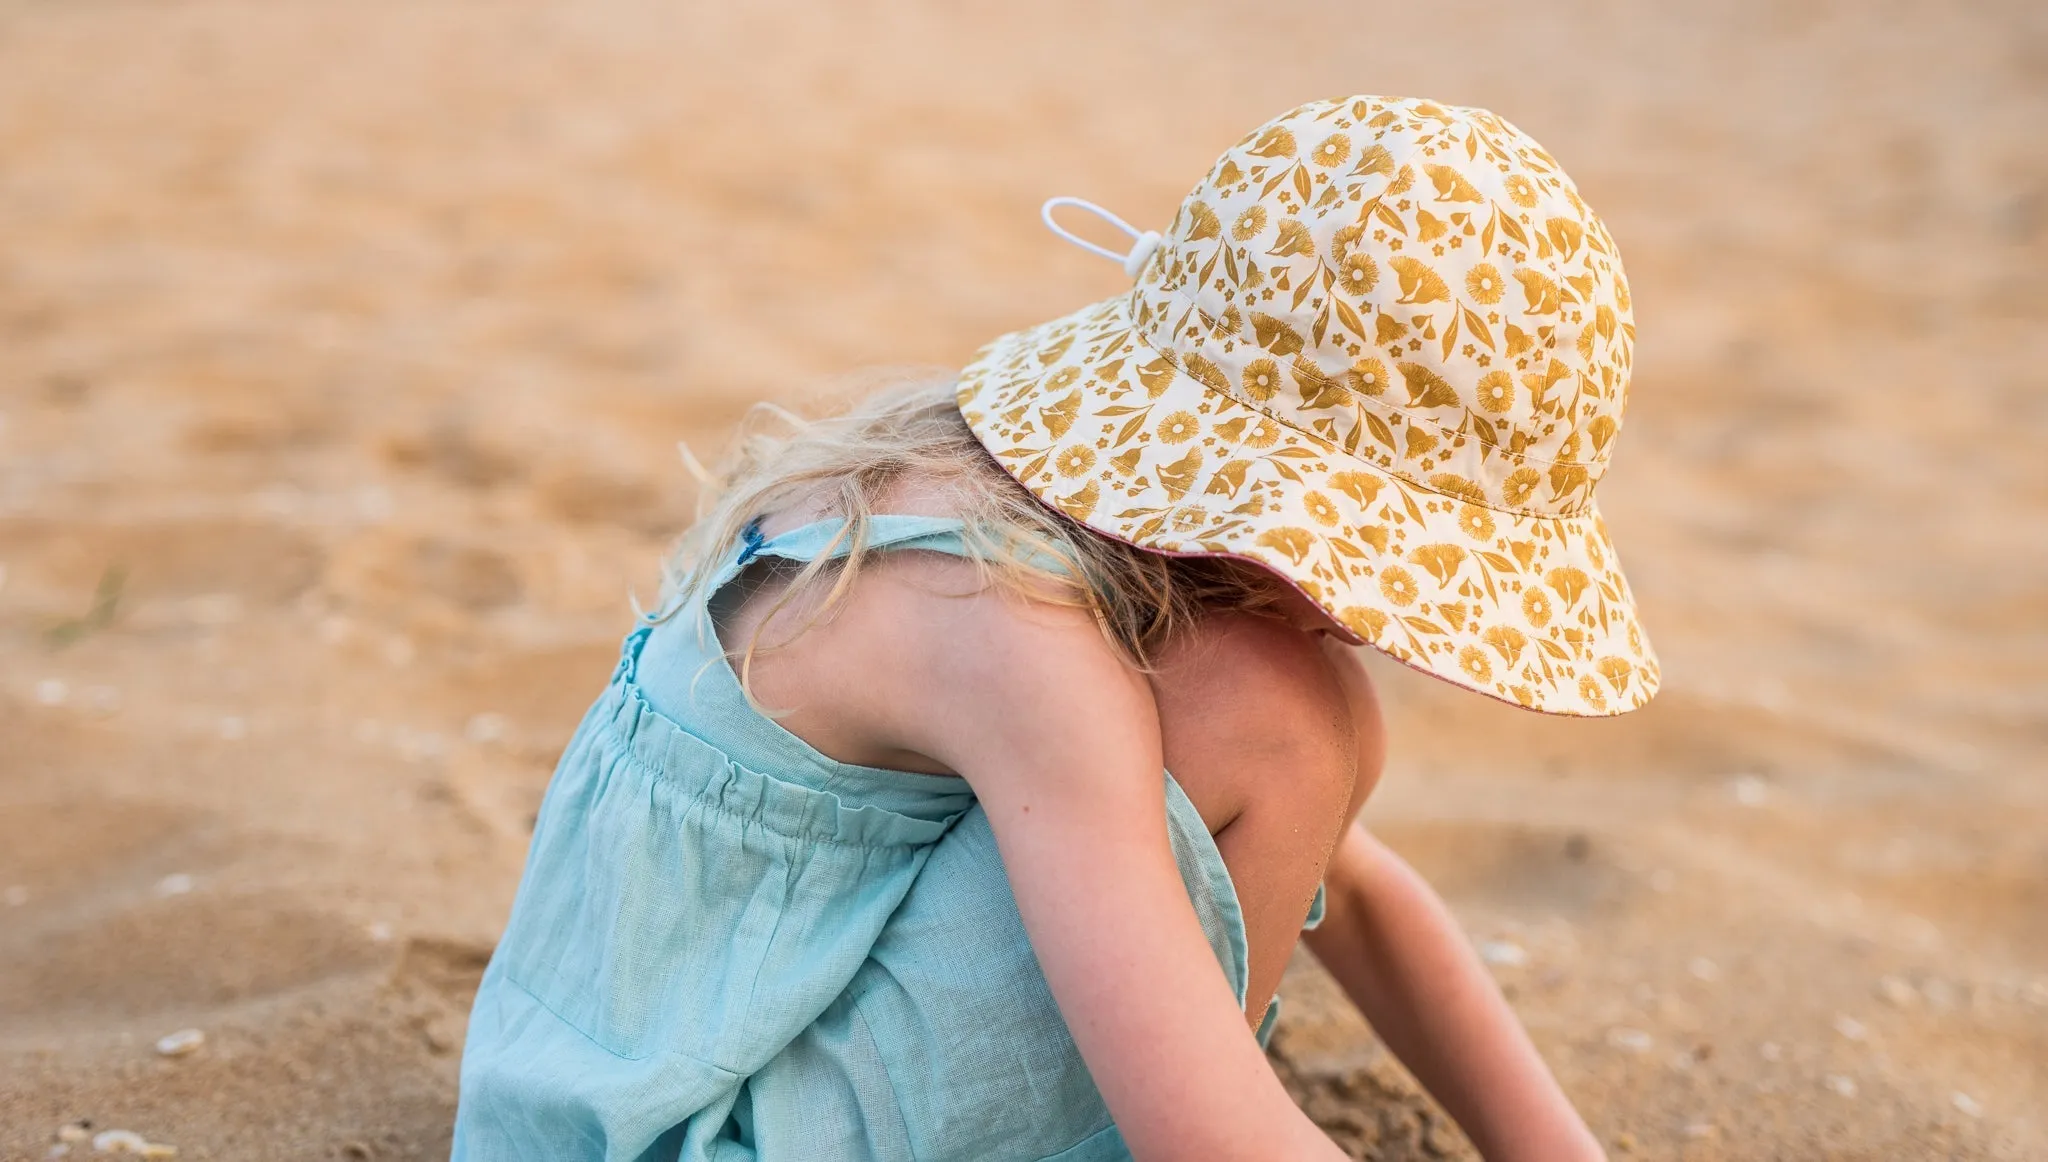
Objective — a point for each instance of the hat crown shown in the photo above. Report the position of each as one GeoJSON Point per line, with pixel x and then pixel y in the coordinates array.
{"type": "Point", "coordinates": [1382, 350]}
{"type": "Point", "coordinates": [1417, 284]}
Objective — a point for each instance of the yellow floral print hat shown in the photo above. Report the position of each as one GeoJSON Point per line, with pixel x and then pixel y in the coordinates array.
{"type": "Point", "coordinates": [1382, 349]}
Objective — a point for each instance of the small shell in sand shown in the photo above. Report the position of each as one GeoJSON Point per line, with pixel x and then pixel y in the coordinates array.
{"type": "Point", "coordinates": [1505, 953]}
{"type": "Point", "coordinates": [180, 1043]}
{"type": "Point", "coordinates": [175, 884]}
{"type": "Point", "coordinates": [130, 1142]}
{"type": "Point", "coordinates": [1633, 1040]}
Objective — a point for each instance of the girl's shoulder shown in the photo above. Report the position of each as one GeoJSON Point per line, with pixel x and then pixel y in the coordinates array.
{"type": "Point", "coordinates": [864, 675]}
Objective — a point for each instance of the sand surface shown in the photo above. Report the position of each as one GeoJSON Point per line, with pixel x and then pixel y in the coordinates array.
{"type": "Point", "coordinates": [343, 351]}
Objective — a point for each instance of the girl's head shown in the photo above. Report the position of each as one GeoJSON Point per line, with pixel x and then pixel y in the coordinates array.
{"type": "Point", "coordinates": [913, 433]}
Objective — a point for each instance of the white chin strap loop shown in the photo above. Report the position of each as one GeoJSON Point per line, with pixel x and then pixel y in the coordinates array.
{"type": "Point", "coordinates": [1143, 243]}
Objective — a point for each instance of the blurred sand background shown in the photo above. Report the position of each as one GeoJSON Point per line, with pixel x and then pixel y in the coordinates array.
{"type": "Point", "coordinates": [343, 352]}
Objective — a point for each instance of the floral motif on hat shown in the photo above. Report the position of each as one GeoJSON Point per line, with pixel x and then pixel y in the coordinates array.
{"type": "Point", "coordinates": [1383, 348]}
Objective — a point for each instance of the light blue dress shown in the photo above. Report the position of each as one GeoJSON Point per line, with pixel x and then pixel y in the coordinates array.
{"type": "Point", "coordinates": [727, 946]}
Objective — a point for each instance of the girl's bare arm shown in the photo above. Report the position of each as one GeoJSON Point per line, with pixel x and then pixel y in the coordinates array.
{"type": "Point", "coordinates": [1394, 947]}
{"type": "Point", "coordinates": [1061, 743]}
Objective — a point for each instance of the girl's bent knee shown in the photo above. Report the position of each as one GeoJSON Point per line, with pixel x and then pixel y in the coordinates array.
{"type": "Point", "coordinates": [1255, 716]}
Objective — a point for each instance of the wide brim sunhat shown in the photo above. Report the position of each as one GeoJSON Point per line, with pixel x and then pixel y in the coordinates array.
{"type": "Point", "coordinates": [1383, 350]}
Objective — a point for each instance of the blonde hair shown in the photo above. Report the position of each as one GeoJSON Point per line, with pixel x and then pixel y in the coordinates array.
{"type": "Point", "coordinates": [842, 464]}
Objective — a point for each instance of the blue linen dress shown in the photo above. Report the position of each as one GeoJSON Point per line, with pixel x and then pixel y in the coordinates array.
{"type": "Point", "coordinates": [727, 946]}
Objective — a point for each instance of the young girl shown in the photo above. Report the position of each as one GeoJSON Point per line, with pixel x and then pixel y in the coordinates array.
{"type": "Point", "coordinates": [968, 794]}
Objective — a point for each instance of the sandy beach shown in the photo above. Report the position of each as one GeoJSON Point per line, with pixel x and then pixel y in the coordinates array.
{"type": "Point", "coordinates": [344, 349]}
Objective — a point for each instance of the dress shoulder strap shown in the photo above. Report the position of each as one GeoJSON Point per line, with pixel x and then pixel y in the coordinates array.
{"type": "Point", "coordinates": [828, 538]}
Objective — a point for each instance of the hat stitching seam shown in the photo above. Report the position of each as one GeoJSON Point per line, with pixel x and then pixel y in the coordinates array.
{"type": "Point", "coordinates": [1449, 433]}
{"type": "Point", "coordinates": [1143, 340]}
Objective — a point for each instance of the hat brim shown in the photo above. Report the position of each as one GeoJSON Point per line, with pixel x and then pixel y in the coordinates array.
{"type": "Point", "coordinates": [1531, 610]}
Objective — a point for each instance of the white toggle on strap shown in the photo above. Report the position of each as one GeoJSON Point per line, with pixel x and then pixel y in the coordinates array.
{"type": "Point", "coordinates": [1143, 243]}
